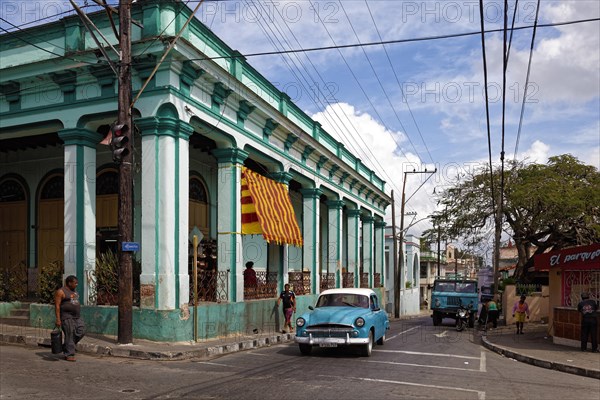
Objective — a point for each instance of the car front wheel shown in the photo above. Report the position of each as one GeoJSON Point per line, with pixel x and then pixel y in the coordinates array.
{"type": "Point", "coordinates": [368, 348]}
{"type": "Point", "coordinates": [381, 340]}
{"type": "Point", "coordinates": [305, 349]}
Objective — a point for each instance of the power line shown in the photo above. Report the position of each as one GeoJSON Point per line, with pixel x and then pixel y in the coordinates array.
{"type": "Point", "coordinates": [526, 80]}
{"type": "Point", "coordinates": [398, 81]}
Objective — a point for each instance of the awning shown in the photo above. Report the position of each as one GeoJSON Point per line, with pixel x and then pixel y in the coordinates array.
{"type": "Point", "coordinates": [267, 210]}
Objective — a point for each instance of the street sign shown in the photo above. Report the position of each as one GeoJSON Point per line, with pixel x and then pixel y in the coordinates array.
{"type": "Point", "coordinates": [130, 246]}
{"type": "Point", "coordinates": [196, 232]}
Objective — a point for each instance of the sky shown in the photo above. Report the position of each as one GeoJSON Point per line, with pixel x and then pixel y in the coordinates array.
{"type": "Point", "coordinates": [420, 104]}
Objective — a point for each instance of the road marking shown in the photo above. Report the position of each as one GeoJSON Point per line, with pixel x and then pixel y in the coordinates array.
{"type": "Point", "coordinates": [423, 365]}
{"type": "Point", "coordinates": [212, 363]}
{"type": "Point", "coordinates": [402, 333]}
{"type": "Point", "coordinates": [482, 366]}
{"type": "Point", "coordinates": [428, 354]}
{"type": "Point", "coordinates": [480, 394]}
{"type": "Point", "coordinates": [440, 335]}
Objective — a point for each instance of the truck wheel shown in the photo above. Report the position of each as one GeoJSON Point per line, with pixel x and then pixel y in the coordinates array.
{"type": "Point", "coordinates": [437, 319]}
{"type": "Point", "coordinates": [471, 321]}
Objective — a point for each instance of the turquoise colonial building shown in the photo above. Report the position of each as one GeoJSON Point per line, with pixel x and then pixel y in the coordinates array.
{"type": "Point", "coordinates": [204, 115]}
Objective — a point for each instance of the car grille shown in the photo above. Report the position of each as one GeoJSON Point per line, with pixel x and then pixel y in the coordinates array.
{"type": "Point", "coordinates": [333, 331]}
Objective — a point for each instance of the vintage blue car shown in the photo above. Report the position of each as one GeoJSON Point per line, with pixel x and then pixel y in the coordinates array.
{"type": "Point", "coordinates": [343, 317]}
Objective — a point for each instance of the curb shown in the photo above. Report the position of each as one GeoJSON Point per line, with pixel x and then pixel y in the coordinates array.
{"type": "Point", "coordinates": [125, 351]}
{"type": "Point", "coordinates": [589, 373]}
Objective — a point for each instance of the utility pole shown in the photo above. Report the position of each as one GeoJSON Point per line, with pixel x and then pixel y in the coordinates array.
{"type": "Point", "coordinates": [395, 250]}
{"type": "Point", "coordinates": [125, 329]}
{"type": "Point", "coordinates": [439, 273]}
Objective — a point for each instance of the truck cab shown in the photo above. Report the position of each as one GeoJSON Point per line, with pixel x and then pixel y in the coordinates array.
{"type": "Point", "coordinates": [449, 294]}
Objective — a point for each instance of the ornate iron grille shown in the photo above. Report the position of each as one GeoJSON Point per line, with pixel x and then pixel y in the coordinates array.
{"type": "Point", "coordinates": [299, 282]}
{"type": "Point", "coordinates": [377, 280]}
{"type": "Point", "coordinates": [364, 280]}
{"type": "Point", "coordinates": [213, 286]}
{"type": "Point", "coordinates": [327, 281]}
{"type": "Point", "coordinates": [266, 286]}
{"type": "Point", "coordinates": [348, 279]}
{"type": "Point", "coordinates": [576, 282]}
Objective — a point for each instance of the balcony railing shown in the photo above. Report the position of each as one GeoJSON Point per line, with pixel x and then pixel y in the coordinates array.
{"type": "Point", "coordinates": [348, 279]}
{"type": "Point", "coordinates": [364, 280]}
{"type": "Point", "coordinates": [327, 281]}
{"type": "Point", "coordinates": [213, 286]}
{"type": "Point", "coordinates": [266, 286]}
{"type": "Point", "coordinates": [299, 282]}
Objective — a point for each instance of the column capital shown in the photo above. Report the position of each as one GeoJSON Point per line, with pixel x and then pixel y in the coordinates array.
{"type": "Point", "coordinates": [380, 224]}
{"type": "Point", "coordinates": [281, 177]}
{"type": "Point", "coordinates": [231, 155]}
{"type": "Point", "coordinates": [80, 137]}
{"type": "Point", "coordinates": [164, 126]}
{"type": "Point", "coordinates": [337, 204]}
{"type": "Point", "coordinates": [353, 212]}
{"type": "Point", "coordinates": [312, 193]}
{"type": "Point", "coordinates": [367, 219]}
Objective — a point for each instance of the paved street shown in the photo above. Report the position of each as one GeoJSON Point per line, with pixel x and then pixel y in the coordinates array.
{"type": "Point", "coordinates": [418, 361]}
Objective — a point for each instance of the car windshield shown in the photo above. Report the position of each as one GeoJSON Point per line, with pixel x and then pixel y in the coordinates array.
{"type": "Point", "coordinates": [343, 300]}
{"type": "Point", "coordinates": [460, 287]}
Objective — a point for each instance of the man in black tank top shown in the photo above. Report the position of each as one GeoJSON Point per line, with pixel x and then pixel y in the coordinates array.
{"type": "Point", "coordinates": [68, 316]}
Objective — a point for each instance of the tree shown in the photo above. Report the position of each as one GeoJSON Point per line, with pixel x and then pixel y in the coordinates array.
{"type": "Point", "coordinates": [549, 206]}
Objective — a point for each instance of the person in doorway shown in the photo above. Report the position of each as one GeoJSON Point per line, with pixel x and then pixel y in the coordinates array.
{"type": "Point", "coordinates": [68, 316]}
{"type": "Point", "coordinates": [520, 309]}
{"type": "Point", "coordinates": [589, 322]}
{"type": "Point", "coordinates": [492, 313]}
{"type": "Point", "coordinates": [289, 306]}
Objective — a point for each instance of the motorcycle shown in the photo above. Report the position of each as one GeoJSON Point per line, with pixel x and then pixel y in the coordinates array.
{"type": "Point", "coordinates": [463, 317]}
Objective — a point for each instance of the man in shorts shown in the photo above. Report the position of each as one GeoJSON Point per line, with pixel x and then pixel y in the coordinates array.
{"type": "Point", "coordinates": [289, 306]}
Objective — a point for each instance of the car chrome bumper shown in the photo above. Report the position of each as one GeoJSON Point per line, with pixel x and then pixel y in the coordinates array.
{"type": "Point", "coordinates": [330, 340]}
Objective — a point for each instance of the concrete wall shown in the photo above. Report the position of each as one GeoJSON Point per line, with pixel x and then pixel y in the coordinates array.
{"type": "Point", "coordinates": [215, 320]}
{"type": "Point", "coordinates": [5, 308]}
{"type": "Point", "coordinates": [539, 304]}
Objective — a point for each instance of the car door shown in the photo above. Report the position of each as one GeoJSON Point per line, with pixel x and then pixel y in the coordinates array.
{"type": "Point", "coordinates": [379, 322]}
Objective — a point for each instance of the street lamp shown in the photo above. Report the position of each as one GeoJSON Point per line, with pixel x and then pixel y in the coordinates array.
{"type": "Point", "coordinates": [398, 271]}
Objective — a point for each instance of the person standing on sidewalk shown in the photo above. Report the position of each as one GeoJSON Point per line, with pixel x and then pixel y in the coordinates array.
{"type": "Point", "coordinates": [493, 312]}
{"type": "Point", "coordinates": [520, 309]}
{"type": "Point", "coordinates": [589, 321]}
{"type": "Point", "coordinates": [68, 316]}
{"type": "Point", "coordinates": [289, 306]}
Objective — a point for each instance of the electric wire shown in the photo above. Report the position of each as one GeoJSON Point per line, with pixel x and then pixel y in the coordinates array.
{"type": "Point", "coordinates": [405, 131]}
{"type": "Point", "coordinates": [512, 30]}
{"type": "Point", "coordinates": [526, 81]}
{"type": "Point", "coordinates": [398, 82]}
{"type": "Point", "coordinates": [487, 103]}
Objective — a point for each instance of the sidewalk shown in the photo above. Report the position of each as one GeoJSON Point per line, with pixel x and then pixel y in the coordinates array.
{"type": "Point", "coordinates": [536, 347]}
{"type": "Point", "coordinates": [145, 349]}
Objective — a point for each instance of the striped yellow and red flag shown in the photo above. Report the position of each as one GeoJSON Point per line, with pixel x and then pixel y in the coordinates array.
{"type": "Point", "coordinates": [267, 210]}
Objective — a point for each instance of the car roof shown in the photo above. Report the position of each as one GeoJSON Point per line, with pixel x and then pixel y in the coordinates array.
{"type": "Point", "coordinates": [361, 291]}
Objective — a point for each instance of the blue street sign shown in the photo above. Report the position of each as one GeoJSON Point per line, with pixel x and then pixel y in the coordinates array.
{"type": "Point", "coordinates": [130, 246]}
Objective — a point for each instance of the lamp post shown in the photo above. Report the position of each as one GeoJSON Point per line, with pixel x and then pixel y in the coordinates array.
{"type": "Point", "coordinates": [399, 273]}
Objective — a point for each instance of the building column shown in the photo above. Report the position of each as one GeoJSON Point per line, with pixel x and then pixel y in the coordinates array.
{"type": "Point", "coordinates": [354, 244]}
{"type": "Point", "coordinates": [80, 207]}
{"type": "Point", "coordinates": [367, 245]}
{"type": "Point", "coordinates": [164, 282]}
{"type": "Point", "coordinates": [310, 230]}
{"type": "Point", "coordinates": [380, 249]}
{"type": "Point", "coordinates": [229, 218]}
{"type": "Point", "coordinates": [334, 245]}
{"type": "Point", "coordinates": [283, 266]}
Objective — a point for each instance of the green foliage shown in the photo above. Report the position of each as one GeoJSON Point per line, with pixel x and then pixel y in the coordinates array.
{"type": "Point", "coordinates": [13, 282]}
{"type": "Point", "coordinates": [50, 280]}
{"type": "Point", "coordinates": [408, 284]}
{"type": "Point", "coordinates": [107, 272]}
{"type": "Point", "coordinates": [546, 206]}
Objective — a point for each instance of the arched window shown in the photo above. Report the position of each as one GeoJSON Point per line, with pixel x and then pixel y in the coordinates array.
{"type": "Point", "coordinates": [199, 205]}
{"type": "Point", "coordinates": [13, 229]}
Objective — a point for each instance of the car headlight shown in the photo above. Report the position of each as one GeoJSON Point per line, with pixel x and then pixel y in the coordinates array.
{"type": "Point", "coordinates": [360, 322]}
{"type": "Point", "coordinates": [470, 305]}
{"type": "Point", "coordinates": [300, 322]}
{"type": "Point", "coordinates": [437, 302]}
